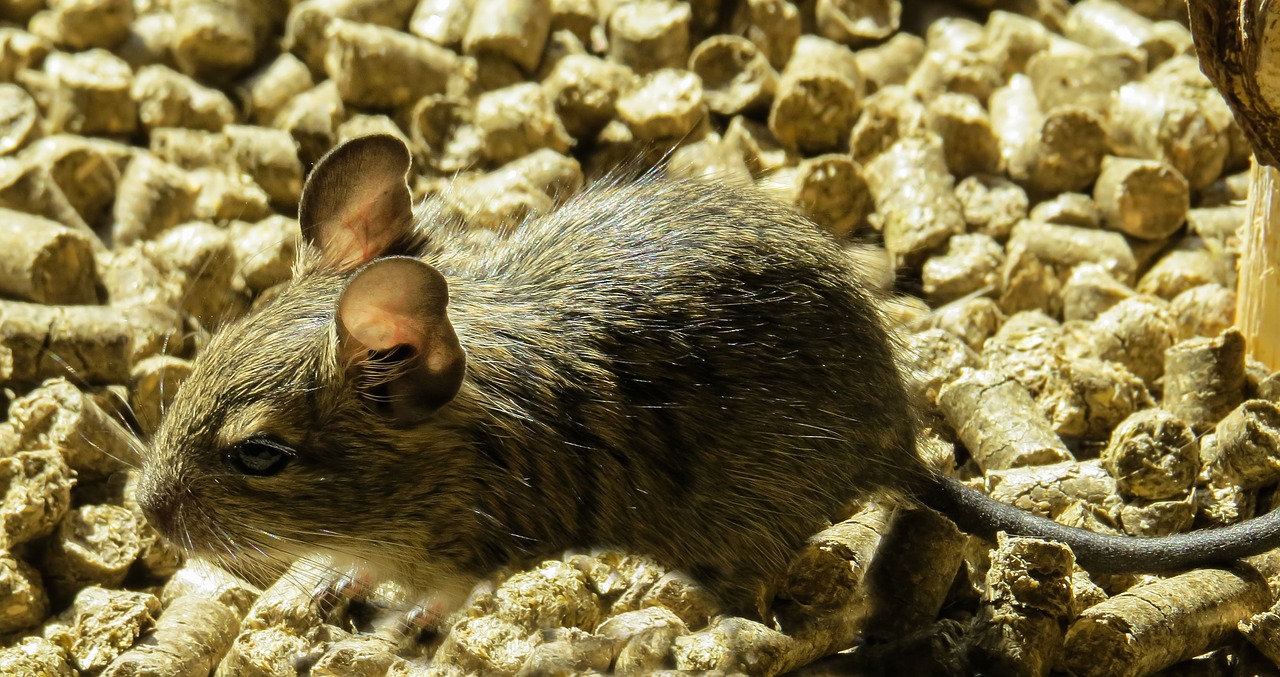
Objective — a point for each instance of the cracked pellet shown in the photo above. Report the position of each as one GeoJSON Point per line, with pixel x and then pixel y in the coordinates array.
{"type": "Point", "coordinates": [25, 601]}
{"type": "Point", "coordinates": [1030, 347]}
{"type": "Point", "coordinates": [84, 24]}
{"type": "Point", "coordinates": [736, 76]}
{"type": "Point", "coordinates": [999, 422]}
{"type": "Point", "coordinates": [890, 63]}
{"type": "Point", "coordinates": [858, 22]}
{"type": "Point", "coordinates": [830, 189]}
{"type": "Point", "coordinates": [665, 104]}
{"type": "Point", "coordinates": [1206, 310]}
{"type": "Point", "coordinates": [1204, 378]}
{"type": "Point", "coordinates": [84, 93]}
{"type": "Point", "coordinates": [189, 638]}
{"type": "Point", "coordinates": [991, 205]}
{"type": "Point", "coordinates": [101, 624]}
{"type": "Point", "coordinates": [818, 98]}
{"type": "Point", "coordinates": [584, 90]}
{"type": "Point", "coordinates": [1039, 256]}
{"type": "Point", "coordinates": [153, 196]}
{"type": "Point", "coordinates": [1056, 488]}
{"type": "Point", "coordinates": [37, 495]}
{"type": "Point", "coordinates": [1153, 455]}
{"type": "Point", "coordinates": [933, 358]}
{"type": "Point", "coordinates": [650, 35]}
{"type": "Point", "coordinates": [35, 657]}
{"type": "Point", "coordinates": [167, 98]}
{"type": "Point", "coordinates": [1089, 291]}
{"type": "Point", "coordinates": [516, 121]}
{"type": "Point", "coordinates": [915, 198]}
{"type": "Point", "coordinates": [218, 40]}
{"type": "Point", "coordinates": [969, 141]}
{"type": "Point", "coordinates": [889, 115]}
{"type": "Point", "coordinates": [515, 30]}
{"type": "Point", "coordinates": [380, 67]}
{"type": "Point", "coordinates": [57, 415]}
{"type": "Point", "coordinates": [973, 320]}
{"type": "Point", "coordinates": [443, 22]}
{"type": "Point", "coordinates": [1145, 199]}
{"type": "Point", "coordinates": [971, 264]}
{"type": "Point", "coordinates": [912, 572]}
{"type": "Point", "coordinates": [1248, 445]}
{"type": "Point", "coordinates": [21, 122]}
{"type": "Point", "coordinates": [1153, 121]}
{"type": "Point", "coordinates": [1068, 209]}
{"type": "Point", "coordinates": [1028, 600]}
{"type": "Point", "coordinates": [93, 342]}
{"type": "Point", "coordinates": [94, 545]}
{"type": "Point", "coordinates": [1090, 396]}
{"type": "Point", "coordinates": [265, 92]}
{"type": "Point", "coordinates": [1158, 518]}
{"type": "Point", "coordinates": [1103, 24]}
{"type": "Point", "coordinates": [270, 157]}
{"type": "Point", "coordinates": [1046, 150]}
{"type": "Point", "coordinates": [86, 172]}
{"type": "Point", "coordinates": [46, 262]}
{"type": "Point", "coordinates": [1151, 627]}
{"type": "Point", "coordinates": [1219, 225]}
{"type": "Point", "coordinates": [644, 638]}
{"type": "Point", "coordinates": [1135, 332]}
{"type": "Point", "coordinates": [200, 258]}
{"type": "Point", "coordinates": [312, 118]}
{"type": "Point", "coordinates": [1263, 632]}
{"type": "Point", "coordinates": [1190, 263]}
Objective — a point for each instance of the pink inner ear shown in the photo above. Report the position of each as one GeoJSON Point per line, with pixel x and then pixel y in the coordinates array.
{"type": "Point", "coordinates": [366, 229]}
{"type": "Point", "coordinates": [394, 301]}
{"type": "Point", "coordinates": [397, 301]}
{"type": "Point", "coordinates": [379, 328]}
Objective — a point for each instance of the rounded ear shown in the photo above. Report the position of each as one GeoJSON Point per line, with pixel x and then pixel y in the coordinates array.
{"type": "Point", "coordinates": [395, 338]}
{"type": "Point", "coordinates": [356, 204]}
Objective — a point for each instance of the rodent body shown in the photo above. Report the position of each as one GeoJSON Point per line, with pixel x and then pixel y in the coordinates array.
{"type": "Point", "coordinates": [683, 371]}
{"type": "Point", "coordinates": [678, 370]}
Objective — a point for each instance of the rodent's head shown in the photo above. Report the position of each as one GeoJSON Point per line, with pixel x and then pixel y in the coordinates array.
{"type": "Point", "coordinates": [301, 424]}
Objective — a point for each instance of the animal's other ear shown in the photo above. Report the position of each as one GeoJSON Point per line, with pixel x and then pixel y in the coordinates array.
{"type": "Point", "coordinates": [356, 204]}
{"type": "Point", "coordinates": [396, 340]}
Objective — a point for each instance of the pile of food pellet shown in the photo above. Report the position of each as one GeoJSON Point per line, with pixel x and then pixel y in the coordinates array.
{"type": "Point", "coordinates": [1057, 191]}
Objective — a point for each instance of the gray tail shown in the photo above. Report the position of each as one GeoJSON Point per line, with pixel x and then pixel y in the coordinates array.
{"type": "Point", "coordinates": [978, 514]}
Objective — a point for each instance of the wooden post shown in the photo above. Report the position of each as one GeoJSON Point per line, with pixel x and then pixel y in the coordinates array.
{"type": "Point", "coordinates": [1238, 42]}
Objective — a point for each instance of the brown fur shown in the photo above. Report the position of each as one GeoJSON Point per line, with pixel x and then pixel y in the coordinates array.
{"type": "Point", "coordinates": [682, 370]}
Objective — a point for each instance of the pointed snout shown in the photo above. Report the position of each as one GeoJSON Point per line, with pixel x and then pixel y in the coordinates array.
{"type": "Point", "coordinates": [158, 499]}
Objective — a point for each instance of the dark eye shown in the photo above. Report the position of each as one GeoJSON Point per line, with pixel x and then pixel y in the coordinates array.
{"type": "Point", "coordinates": [261, 456]}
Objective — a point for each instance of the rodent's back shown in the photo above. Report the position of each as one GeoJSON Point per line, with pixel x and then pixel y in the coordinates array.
{"type": "Point", "coordinates": [682, 369]}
